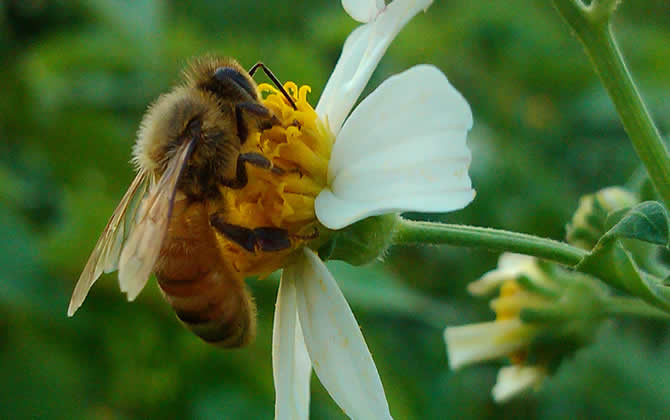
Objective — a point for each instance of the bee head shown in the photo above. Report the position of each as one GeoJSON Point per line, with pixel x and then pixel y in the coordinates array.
{"type": "Point", "coordinates": [222, 77]}
{"type": "Point", "coordinates": [229, 82]}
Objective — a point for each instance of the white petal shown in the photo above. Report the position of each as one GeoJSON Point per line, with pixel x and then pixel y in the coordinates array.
{"type": "Point", "coordinates": [402, 149]}
{"type": "Point", "coordinates": [303, 372]}
{"type": "Point", "coordinates": [340, 357]}
{"type": "Point", "coordinates": [515, 261]}
{"type": "Point", "coordinates": [362, 50]}
{"type": "Point", "coordinates": [337, 213]}
{"type": "Point", "coordinates": [513, 380]}
{"type": "Point", "coordinates": [510, 265]}
{"type": "Point", "coordinates": [291, 366]}
{"type": "Point", "coordinates": [485, 341]}
{"type": "Point", "coordinates": [488, 283]}
{"type": "Point", "coordinates": [363, 10]}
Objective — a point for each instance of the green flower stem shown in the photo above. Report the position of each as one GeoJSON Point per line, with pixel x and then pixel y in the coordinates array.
{"type": "Point", "coordinates": [410, 232]}
{"type": "Point", "coordinates": [592, 26]}
{"type": "Point", "coordinates": [627, 306]}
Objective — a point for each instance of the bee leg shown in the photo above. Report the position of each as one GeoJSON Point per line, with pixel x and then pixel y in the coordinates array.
{"type": "Point", "coordinates": [271, 239]}
{"type": "Point", "coordinates": [262, 162]}
{"type": "Point", "coordinates": [255, 159]}
{"type": "Point", "coordinates": [242, 236]}
{"type": "Point", "coordinates": [264, 118]}
{"type": "Point", "coordinates": [241, 178]}
{"type": "Point", "coordinates": [267, 239]}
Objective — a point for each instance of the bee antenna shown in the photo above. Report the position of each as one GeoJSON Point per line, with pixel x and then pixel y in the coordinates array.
{"type": "Point", "coordinates": [274, 79]}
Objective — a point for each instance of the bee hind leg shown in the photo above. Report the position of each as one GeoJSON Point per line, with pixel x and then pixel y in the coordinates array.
{"type": "Point", "coordinates": [267, 239]}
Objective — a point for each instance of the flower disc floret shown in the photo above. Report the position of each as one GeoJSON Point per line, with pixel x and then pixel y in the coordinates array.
{"type": "Point", "coordinates": [282, 196]}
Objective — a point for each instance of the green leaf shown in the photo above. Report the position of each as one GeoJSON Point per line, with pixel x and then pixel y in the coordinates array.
{"type": "Point", "coordinates": [615, 217]}
{"type": "Point", "coordinates": [646, 222]}
{"type": "Point", "coordinates": [613, 264]}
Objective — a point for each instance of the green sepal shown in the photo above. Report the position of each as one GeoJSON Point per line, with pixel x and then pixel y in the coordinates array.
{"type": "Point", "coordinates": [553, 345]}
{"type": "Point", "coordinates": [325, 251]}
{"type": "Point", "coordinates": [612, 262]}
{"type": "Point", "coordinates": [529, 284]}
{"type": "Point", "coordinates": [568, 324]}
{"type": "Point", "coordinates": [362, 242]}
{"type": "Point", "coordinates": [582, 300]}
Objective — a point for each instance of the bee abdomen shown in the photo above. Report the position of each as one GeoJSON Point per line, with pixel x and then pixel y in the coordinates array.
{"type": "Point", "coordinates": [216, 306]}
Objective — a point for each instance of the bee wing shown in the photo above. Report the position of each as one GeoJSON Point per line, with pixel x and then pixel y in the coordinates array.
{"type": "Point", "coordinates": [141, 250]}
{"type": "Point", "coordinates": [105, 255]}
{"type": "Point", "coordinates": [111, 263]}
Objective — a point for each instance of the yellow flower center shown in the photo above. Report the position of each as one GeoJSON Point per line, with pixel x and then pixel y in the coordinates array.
{"type": "Point", "coordinates": [508, 305]}
{"type": "Point", "coordinates": [283, 196]}
{"type": "Point", "coordinates": [513, 298]}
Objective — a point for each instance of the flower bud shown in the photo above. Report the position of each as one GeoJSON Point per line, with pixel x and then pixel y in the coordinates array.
{"type": "Point", "coordinates": [589, 221]}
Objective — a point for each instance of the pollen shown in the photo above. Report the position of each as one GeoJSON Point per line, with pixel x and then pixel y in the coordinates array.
{"type": "Point", "coordinates": [281, 196]}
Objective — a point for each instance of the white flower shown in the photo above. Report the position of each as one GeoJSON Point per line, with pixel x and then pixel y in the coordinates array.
{"type": "Point", "coordinates": [403, 148]}
{"type": "Point", "coordinates": [467, 344]}
{"type": "Point", "coordinates": [508, 336]}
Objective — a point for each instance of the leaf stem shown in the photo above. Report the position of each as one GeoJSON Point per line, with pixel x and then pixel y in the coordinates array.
{"type": "Point", "coordinates": [592, 26]}
{"type": "Point", "coordinates": [412, 232]}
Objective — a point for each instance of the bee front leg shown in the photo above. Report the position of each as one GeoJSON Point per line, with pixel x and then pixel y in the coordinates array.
{"type": "Point", "coordinates": [266, 239]}
{"type": "Point", "coordinates": [241, 178]}
{"type": "Point", "coordinates": [263, 118]}
{"type": "Point", "coordinates": [260, 115]}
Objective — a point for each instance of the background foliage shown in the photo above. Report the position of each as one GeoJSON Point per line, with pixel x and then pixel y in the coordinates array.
{"type": "Point", "coordinates": [75, 80]}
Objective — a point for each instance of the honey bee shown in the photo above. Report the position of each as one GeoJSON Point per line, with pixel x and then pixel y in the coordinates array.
{"type": "Point", "coordinates": [186, 155]}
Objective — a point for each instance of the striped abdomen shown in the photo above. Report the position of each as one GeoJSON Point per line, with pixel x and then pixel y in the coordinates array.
{"type": "Point", "coordinates": [207, 294]}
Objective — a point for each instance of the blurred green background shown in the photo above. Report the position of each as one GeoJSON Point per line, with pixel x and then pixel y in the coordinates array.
{"type": "Point", "coordinates": [75, 80]}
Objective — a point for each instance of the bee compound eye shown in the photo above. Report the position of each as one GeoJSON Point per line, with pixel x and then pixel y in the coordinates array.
{"type": "Point", "coordinates": [223, 73]}
{"type": "Point", "coordinates": [227, 75]}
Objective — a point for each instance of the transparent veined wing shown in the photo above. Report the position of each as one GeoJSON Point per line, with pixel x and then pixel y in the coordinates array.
{"type": "Point", "coordinates": [143, 246]}
{"type": "Point", "coordinates": [107, 250]}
